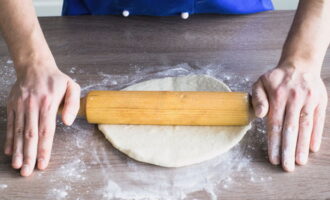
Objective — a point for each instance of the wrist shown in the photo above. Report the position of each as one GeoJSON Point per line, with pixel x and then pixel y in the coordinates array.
{"type": "Point", "coordinates": [32, 51]}
{"type": "Point", "coordinates": [301, 64]}
{"type": "Point", "coordinates": [33, 63]}
{"type": "Point", "coordinates": [33, 56]}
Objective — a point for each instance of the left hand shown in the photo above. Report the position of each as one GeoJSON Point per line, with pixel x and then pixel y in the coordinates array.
{"type": "Point", "coordinates": [294, 100]}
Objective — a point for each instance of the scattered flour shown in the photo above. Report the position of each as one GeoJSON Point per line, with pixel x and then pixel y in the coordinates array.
{"type": "Point", "coordinates": [9, 61]}
{"type": "Point", "coordinates": [73, 171]}
{"type": "Point", "coordinates": [87, 150]}
{"type": "Point", "coordinates": [59, 193]}
{"type": "Point", "coordinates": [3, 186]}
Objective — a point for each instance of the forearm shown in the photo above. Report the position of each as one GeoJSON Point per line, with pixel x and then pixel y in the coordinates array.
{"type": "Point", "coordinates": [309, 36]}
{"type": "Point", "coordinates": [22, 33]}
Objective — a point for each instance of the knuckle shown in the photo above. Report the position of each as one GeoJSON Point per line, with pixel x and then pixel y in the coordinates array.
{"type": "Point", "coordinates": [19, 131]}
{"type": "Point", "coordinates": [255, 94]}
{"type": "Point", "coordinates": [290, 129]}
{"type": "Point", "coordinates": [28, 159]}
{"type": "Point", "coordinates": [10, 124]}
{"type": "Point", "coordinates": [275, 126]}
{"type": "Point", "coordinates": [17, 154]}
{"type": "Point", "coordinates": [30, 134]}
{"type": "Point", "coordinates": [309, 93]}
{"type": "Point", "coordinates": [294, 94]}
{"type": "Point", "coordinates": [42, 152]}
{"type": "Point", "coordinates": [275, 107]}
{"type": "Point", "coordinates": [305, 122]}
{"type": "Point", "coordinates": [44, 132]}
{"type": "Point", "coordinates": [278, 93]}
{"type": "Point", "coordinates": [258, 103]}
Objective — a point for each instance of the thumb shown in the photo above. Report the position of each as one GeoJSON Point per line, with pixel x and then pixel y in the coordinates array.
{"type": "Point", "coordinates": [259, 100]}
{"type": "Point", "coordinates": [71, 103]}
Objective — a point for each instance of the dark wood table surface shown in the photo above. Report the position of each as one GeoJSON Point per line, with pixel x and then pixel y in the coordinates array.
{"type": "Point", "coordinates": [108, 51]}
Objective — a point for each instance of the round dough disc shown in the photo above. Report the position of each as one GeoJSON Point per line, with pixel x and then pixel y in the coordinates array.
{"type": "Point", "coordinates": [174, 146]}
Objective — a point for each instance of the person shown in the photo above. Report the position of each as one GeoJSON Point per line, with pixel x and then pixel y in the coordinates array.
{"type": "Point", "coordinates": [292, 95]}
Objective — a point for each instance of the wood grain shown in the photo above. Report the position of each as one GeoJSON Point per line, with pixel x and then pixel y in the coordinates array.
{"type": "Point", "coordinates": [242, 45]}
{"type": "Point", "coordinates": [167, 108]}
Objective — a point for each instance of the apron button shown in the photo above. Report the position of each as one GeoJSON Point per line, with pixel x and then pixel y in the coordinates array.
{"type": "Point", "coordinates": [184, 15]}
{"type": "Point", "coordinates": [125, 13]}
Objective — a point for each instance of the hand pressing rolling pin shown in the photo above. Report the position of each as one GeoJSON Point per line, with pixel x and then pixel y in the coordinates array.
{"type": "Point", "coordinates": [292, 95]}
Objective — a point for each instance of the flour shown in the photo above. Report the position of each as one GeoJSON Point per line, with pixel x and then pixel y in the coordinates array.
{"type": "Point", "coordinates": [8, 78]}
{"type": "Point", "coordinates": [59, 193]}
{"type": "Point", "coordinates": [9, 61]}
{"type": "Point", "coordinates": [91, 162]}
{"type": "Point", "coordinates": [3, 186]}
{"type": "Point", "coordinates": [73, 171]}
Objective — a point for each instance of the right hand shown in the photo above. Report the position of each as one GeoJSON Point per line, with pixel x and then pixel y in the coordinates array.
{"type": "Point", "coordinates": [294, 99]}
{"type": "Point", "coordinates": [31, 113]}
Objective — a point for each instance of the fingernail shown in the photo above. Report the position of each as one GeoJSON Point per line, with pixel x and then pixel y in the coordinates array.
{"type": "Point", "coordinates": [7, 151]}
{"type": "Point", "coordinates": [315, 146]}
{"type": "Point", "coordinates": [274, 153]}
{"type": "Point", "coordinates": [17, 163]}
{"type": "Point", "coordinates": [25, 170]}
{"type": "Point", "coordinates": [302, 157]}
{"type": "Point", "coordinates": [258, 111]}
{"type": "Point", "coordinates": [289, 165]}
{"type": "Point", "coordinates": [275, 160]}
{"type": "Point", "coordinates": [42, 164]}
{"type": "Point", "coordinates": [288, 161]}
{"type": "Point", "coordinates": [69, 119]}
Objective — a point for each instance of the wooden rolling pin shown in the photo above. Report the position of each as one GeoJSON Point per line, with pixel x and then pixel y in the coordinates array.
{"type": "Point", "coordinates": [165, 108]}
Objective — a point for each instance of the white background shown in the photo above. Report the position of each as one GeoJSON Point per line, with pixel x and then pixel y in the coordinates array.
{"type": "Point", "coordinates": [54, 7]}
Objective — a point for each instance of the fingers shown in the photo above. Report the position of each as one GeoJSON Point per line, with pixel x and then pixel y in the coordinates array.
{"type": "Point", "coordinates": [17, 159]}
{"type": "Point", "coordinates": [304, 134]}
{"type": "Point", "coordinates": [71, 103]}
{"type": "Point", "coordinates": [30, 138]}
{"type": "Point", "coordinates": [259, 100]}
{"type": "Point", "coordinates": [47, 124]}
{"type": "Point", "coordinates": [10, 132]}
{"type": "Point", "coordinates": [289, 136]}
{"type": "Point", "coordinates": [319, 118]}
{"type": "Point", "coordinates": [274, 130]}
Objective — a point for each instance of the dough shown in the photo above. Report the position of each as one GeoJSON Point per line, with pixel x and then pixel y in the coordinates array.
{"type": "Point", "coordinates": [174, 146]}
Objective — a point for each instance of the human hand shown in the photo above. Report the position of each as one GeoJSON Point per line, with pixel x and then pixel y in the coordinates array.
{"type": "Point", "coordinates": [294, 100]}
{"type": "Point", "coordinates": [31, 113]}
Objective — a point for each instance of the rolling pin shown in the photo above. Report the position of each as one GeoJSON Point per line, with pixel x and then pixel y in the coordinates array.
{"type": "Point", "coordinates": [165, 108]}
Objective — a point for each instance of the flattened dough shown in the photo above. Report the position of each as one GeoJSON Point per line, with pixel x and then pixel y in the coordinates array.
{"type": "Point", "coordinates": [174, 146]}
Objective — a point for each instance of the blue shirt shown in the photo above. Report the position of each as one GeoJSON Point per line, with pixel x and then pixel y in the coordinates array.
{"type": "Point", "coordinates": [164, 7]}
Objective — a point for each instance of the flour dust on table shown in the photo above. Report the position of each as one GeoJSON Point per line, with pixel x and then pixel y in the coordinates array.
{"type": "Point", "coordinates": [3, 186]}
{"type": "Point", "coordinates": [174, 146]}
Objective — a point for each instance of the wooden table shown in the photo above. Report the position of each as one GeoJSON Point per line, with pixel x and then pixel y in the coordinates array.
{"type": "Point", "coordinates": [100, 49]}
